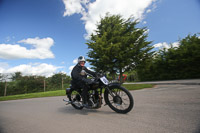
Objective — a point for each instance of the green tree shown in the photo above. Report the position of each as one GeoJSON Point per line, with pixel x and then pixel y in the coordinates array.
{"type": "Point", "coordinates": [1, 77]}
{"type": "Point", "coordinates": [58, 80]}
{"type": "Point", "coordinates": [188, 57]}
{"type": "Point", "coordinates": [17, 76]}
{"type": "Point", "coordinates": [29, 84]}
{"type": "Point", "coordinates": [4, 79]}
{"type": "Point", "coordinates": [117, 45]}
{"type": "Point", "coordinates": [181, 62]}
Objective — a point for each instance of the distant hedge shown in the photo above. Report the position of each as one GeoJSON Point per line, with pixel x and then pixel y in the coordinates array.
{"type": "Point", "coordinates": [181, 62]}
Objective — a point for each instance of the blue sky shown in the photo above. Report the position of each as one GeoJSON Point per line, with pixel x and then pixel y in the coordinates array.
{"type": "Point", "coordinates": [42, 37]}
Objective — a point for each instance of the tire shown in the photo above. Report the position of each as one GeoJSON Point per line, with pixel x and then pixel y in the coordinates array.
{"type": "Point", "coordinates": [76, 100]}
{"type": "Point", "coordinates": [117, 100]}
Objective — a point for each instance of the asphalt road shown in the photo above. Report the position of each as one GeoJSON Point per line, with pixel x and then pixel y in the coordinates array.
{"type": "Point", "coordinates": [163, 109]}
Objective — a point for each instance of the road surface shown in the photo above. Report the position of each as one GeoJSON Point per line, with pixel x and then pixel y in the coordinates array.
{"type": "Point", "coordinates": [162, 109]}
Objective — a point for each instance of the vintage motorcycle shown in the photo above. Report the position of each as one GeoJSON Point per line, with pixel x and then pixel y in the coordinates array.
{"type": "Point", "coordinates": [116, 97]}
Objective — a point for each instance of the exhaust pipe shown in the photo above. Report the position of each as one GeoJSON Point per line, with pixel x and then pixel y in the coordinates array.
{"type": "Point", "coordinates": [67, 101]}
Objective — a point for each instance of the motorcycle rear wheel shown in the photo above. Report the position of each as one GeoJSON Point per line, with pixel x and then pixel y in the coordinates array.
{"type": "Point", "coordinates": [119, 99]}
{"type": "Point", "coordinates": [76, 100]}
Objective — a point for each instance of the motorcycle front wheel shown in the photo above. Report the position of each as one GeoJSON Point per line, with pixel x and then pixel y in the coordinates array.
{"type": "Point", "coordinates": [119, 99]}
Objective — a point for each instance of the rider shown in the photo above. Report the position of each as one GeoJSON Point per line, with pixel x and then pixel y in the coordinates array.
{"type": "Point", "coordinates": [79, 78]}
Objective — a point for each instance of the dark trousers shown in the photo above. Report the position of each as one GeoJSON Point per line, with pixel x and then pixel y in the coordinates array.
{"type": "Point", "coordinates": [85, 94]}
{"type": "Point", "coordinates": [81, 85]}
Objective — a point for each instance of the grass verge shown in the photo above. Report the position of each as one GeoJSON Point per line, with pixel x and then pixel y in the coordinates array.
{"type": "Point", "coordinates": [62, 92]}
{"type": "Point", "coordinates": [34, 95]}
{"type": "Point", "coordinates": [137, 86]}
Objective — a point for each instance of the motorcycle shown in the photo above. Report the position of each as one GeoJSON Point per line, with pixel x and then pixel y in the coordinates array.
{"type": "Point", "coordinates": [116, 97]}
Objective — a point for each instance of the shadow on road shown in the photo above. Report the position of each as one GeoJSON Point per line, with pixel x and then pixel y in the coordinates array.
{"type": "Point", "coordinates": [73, 111]}
{"type": "Point", "coordinates": [1, 127]}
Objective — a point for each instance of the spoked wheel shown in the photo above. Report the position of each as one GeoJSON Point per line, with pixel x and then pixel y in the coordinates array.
{"type": "Point", "coordinates": [119, 99]}
{"type": "Point", "coordinates": [76, 100]}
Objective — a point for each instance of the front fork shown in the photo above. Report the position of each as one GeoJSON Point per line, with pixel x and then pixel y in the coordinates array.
{"type": "Point", "coordinates": [109, 91]}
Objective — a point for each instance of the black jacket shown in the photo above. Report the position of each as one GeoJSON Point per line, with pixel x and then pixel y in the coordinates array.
{"type": "Point", "coordinates": [76, 74]}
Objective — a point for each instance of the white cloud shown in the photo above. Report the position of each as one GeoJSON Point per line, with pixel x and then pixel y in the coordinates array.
{"type": "Point", "coordinates": [175, 44]}
{"type": "Point", "coordinates": [161, 45]}
{"type": "Point", "coordinates": [148, 11]}
{"type": "Point", "coordinates": [91, 12]}
{"type": "Point", "coordinates": [75, 61]}
{"type": "Point", "coordinates": [147, 31]}
{"type": "Point", "coordinates": [73, 6]}
{"type": "Point", "coordinates": [3, 65]}
{"type": "Point", "coordinates": [71, 68]}
{"type": "Point", "coordinates": [41, 69]}
{"type": "Point", "coordinates": [145, 22]}
{"type": "Point", "coordinates": [40, 50]}
{"type": "Point", "coordinates": [166, 46]}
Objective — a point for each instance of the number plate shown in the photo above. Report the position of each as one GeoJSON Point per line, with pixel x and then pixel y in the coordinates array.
{"type": "Point", "coordinates": [104, 80]}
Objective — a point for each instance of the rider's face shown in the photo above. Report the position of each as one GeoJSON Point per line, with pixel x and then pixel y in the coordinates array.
{"type": "Point", "coordinates": [82, 63]}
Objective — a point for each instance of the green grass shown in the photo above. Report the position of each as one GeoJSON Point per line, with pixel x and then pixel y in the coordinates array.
{"type": "Point", "coordinates": [137, 86]}
{"type": "Point", "coordinates": [34, 95]}
{"type": "Point", "coordinates": [62, 92]}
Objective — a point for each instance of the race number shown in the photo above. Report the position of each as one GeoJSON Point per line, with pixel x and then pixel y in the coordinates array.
{"type": "Point", "coordinates": [104, 80]}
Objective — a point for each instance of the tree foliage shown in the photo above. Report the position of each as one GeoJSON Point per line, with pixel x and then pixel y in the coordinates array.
{"type": "Point", "coordinates": [17, 76]}
{"type": "Point", "coordinates": [118, 45]}
{"type": "Point", "coordinates": [175, 63]}
{"type": "Point", "coordinates": [57, 79]}
{"type": "Point", "coordinates": [29, 84]}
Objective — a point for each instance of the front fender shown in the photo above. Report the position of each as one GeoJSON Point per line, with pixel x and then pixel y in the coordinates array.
{"type": "Point", "coordinates": [114, 85]}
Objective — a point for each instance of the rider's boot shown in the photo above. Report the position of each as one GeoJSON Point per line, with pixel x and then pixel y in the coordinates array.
{"type": "Point", "coordinates": [85, 103]}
